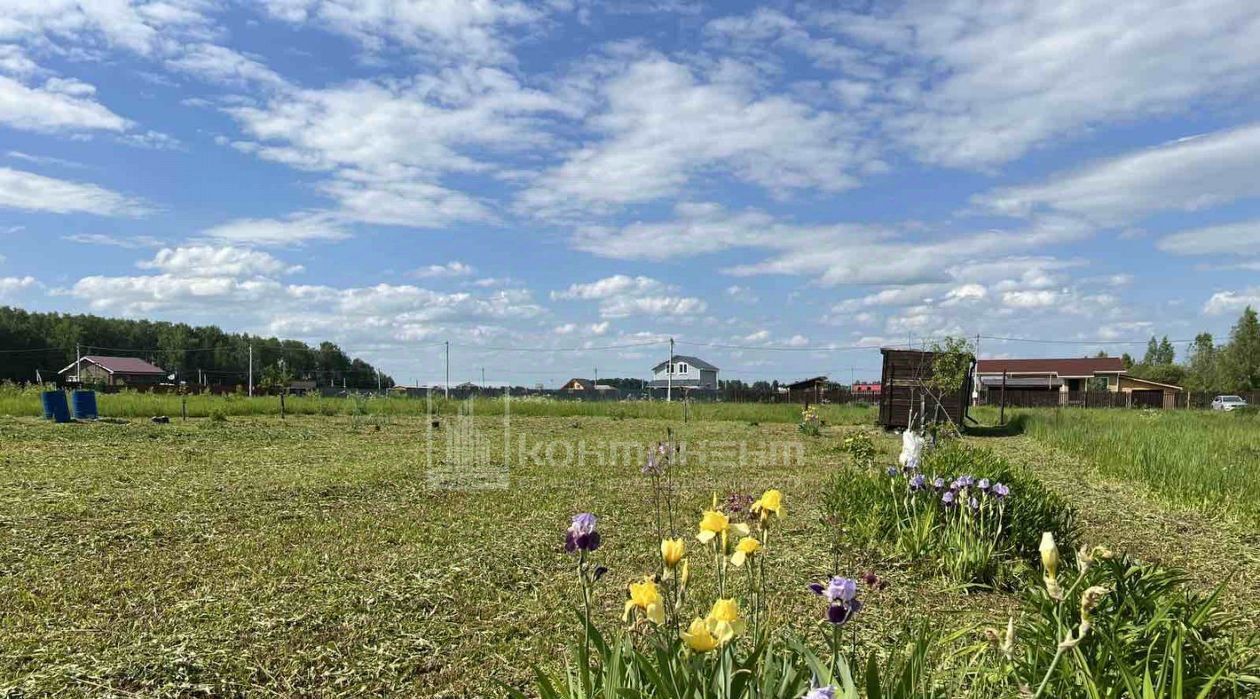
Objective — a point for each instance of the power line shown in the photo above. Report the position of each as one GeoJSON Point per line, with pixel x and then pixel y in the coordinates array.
{"type": "Point", "coordinates": [1077, 342]}
{"type": "Point", "coordinates": [592, 348]}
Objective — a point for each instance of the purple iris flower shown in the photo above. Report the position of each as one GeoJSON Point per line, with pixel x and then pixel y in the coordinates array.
{"type": "Point", "coordinates": [965, 481]}
{"type": "Point", "coordinates": [581, 534]}
{"type": "Point", "coordinates": [841, 594]}
{"type": "Point", "coordinates": [912, 465]}
{"type": "Point", "coordinates": [939, 483]}
{"type": "Point", "coordinates": [948, 498]}
{"type": "Point", "coordinates": [1000, 490]}
{"type": "Point", "coordinates": [974, 503]}
{"type": "Point", "coordinates": [983, 484]}
{"type": "Point", "coordinates": [892, 471]}
{"type": "Point", "coordinates": [917, 482]}
{"type": "Point", "coordinates": [827, 692]}
{"type": "Point", "coordinates": [840, 613]}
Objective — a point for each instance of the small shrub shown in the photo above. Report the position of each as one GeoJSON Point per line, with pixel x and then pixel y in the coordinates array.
{"type": "Point", "coordinates": [811, 423]}
{"type": "Point", "coordinates": [217, 415]}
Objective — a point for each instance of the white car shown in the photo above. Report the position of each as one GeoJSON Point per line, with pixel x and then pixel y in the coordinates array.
{"type": "Point", "coordinates": [1228, 403]}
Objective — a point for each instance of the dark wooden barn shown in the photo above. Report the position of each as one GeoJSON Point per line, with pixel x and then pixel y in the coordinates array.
{"type": "Point", "coordinates": [905, 389]}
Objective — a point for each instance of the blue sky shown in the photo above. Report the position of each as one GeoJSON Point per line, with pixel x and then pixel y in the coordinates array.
{"type": "Point", "coordinates": [774, 185]}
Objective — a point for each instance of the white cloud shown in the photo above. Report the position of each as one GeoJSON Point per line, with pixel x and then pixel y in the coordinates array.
{"type": "Point", "coordinates": [621, 295]}
{"type": "Point", "coordinates": [208, 261]}
{"type": "Point", "coordinates": [56, 107]}
{"type": "Point", "coordinates": [1232, 301]}
{"type": "Point", "coordinates": [1186, 175]}
{"type": "Point", "coordinates": [662, 124]}
{"type": "Point", "coordinates": [609, 287]}
{"type": "Point", "coordinates": [220, 64]}
{"type": "Point", "coordinates": [1241, 238]}
{"type": "Point", "coordinates": [128, 243]}
{"type": "Point", "coordinates": [833, 254]}
{"type": "Point", "coordinates": [1030, 299]}
{"type": "Point", "coordinates": [978, 83]}
{"type": "Point", "coordinates": [387, 145]}
{"type": "Point", "coordinates": [11, 285]}
{"type": "Point", "coordinates": [464, 29]}
{"type": "Point", "coordinates": [26, 190]}
{"type": "Point", "coordinates": [454, 268]}
{"type": "Point", "coordinates": [277, 232]}
{"type": "Point", "coordinates": [742, 294]}
{"type": "Point", "coordinates": [623, 306]}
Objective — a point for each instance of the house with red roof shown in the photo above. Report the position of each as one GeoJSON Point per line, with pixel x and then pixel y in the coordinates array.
{"type": "Point", "coordinates": [112, 371]}
{"type": "Point", "coordinates": [1071, 376]}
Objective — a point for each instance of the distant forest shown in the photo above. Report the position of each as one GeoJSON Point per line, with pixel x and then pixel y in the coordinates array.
{"type": "Point", "coordinates": [1208, 365]}
{"type": "Point", "coordinates": [45, 342]}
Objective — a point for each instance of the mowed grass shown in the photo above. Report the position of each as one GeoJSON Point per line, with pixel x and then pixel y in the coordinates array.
{"type": "Point", "coordinates": [318, 557]}
{"type": "Point", "coordinates": [1200, 459]}
{"type": "Point", "coordinates": [18, 401]}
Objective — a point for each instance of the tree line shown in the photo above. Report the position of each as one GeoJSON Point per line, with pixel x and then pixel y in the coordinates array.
{"type": "Point", "coordinates": [1210, 367]}
{"type": "Point", "coordinates": [46, 343]}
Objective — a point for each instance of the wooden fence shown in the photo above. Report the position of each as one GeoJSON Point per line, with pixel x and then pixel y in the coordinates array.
{"type": "Point", "coordinates": [1024, 398]}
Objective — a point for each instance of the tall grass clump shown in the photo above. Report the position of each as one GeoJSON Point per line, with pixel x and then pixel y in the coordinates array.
{"type": "Point", "coordinates": [1115, 627]}
{"type": "Point", "coordinates": [1205, 460]}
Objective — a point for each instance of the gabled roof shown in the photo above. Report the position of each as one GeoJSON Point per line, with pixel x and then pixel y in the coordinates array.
{"type": "Point", "coordinates": [1076, 366]}
{"type": "Point", "coordinates": [687, 359]}
{"type": "Point", "coordinates": [577, 385]}
{"type": "Point", "coordinates": [121, 365]}
{"type": "Point", "coordinates": [807, 383]}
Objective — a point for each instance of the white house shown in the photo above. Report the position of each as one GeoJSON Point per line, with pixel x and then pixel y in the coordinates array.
{"type": "Point", "coordinates": [688, 372]}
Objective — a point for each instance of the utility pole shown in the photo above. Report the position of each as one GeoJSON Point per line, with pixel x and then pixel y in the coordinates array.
{"type": "Point", "coordinates": [378, 380]}
{"type": "Point", "coordinates": [251, 371]}
{"type": "Point", "coordinates": [483, 377]}
{"type": "Point", "coordinates": [78, 366]}
{"type": "Point", "coordinates": [447, 387]}
{"type": "Point", "coordinates": [669, 374]}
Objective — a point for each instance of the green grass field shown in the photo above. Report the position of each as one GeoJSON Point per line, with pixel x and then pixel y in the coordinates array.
{"type": "Point", "coordinates": [17, 401]}
{"type": "Point", "coordinates": [368, 554]}
{"type": "Point", "coordinates": [1201, 459]}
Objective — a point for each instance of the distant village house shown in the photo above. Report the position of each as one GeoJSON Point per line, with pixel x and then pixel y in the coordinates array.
{"type": "Point", "coordinates": [1072, 376]}
{"type": "Point", "coordinates": [686, 372]}
{"type": "Point", "coordinates": [112, 371]}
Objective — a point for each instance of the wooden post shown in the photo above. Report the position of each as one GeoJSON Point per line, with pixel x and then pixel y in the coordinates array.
{"type": "Point", "coordinates": [1002, 410]}
{"type": "Point", "coordinates": [282, 405]}
{"type": "Point", "coordinates": [183, 407]}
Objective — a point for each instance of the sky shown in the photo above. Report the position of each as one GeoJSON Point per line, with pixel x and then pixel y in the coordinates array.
{"type": "Point", "coordinates": [558, 187]}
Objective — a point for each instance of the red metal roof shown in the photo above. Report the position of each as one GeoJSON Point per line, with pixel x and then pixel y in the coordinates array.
{"type": "Point", "coordinates": [125, 365]}
{"type": "Point", "coordinates": [1076, 366]}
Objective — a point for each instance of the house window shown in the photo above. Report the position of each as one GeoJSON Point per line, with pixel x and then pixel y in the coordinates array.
{"type": "Point", "coordinates": [682, 369]}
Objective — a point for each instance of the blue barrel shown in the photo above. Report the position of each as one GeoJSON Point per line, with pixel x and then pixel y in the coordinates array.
{"type": "Point", "coordinates": [84, 404]}
{"type": "Point", "coordinates": [55, 406]}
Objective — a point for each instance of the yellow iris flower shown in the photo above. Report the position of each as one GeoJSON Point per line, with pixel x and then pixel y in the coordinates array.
{"type": "Point", "coordinates": [714, 523]}
{"type": "Point", "coordinates": [717, 629]}
{"type": "Point", "coordinates": [746, 547]}
{"type": "Point", "coordinates": [699, 636]}
{"type": "Point", "coordinates": [770, 503]}
{"type": "Point", "coordinates": [645, 597]}
{"type": "Point", "coordinates": [672, 551]}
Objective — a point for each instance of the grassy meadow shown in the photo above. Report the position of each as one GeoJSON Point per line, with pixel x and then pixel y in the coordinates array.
{"type": "Point", "coordinates": [363, 552]}
{"type": "Point", "coordinates": [1202, 459]}
{"type": "Point", "coordinates": [18, 401]}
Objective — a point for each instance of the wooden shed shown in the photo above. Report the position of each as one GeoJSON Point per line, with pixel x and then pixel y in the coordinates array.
{"type": "Point", "coordinates": [905, 388]}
